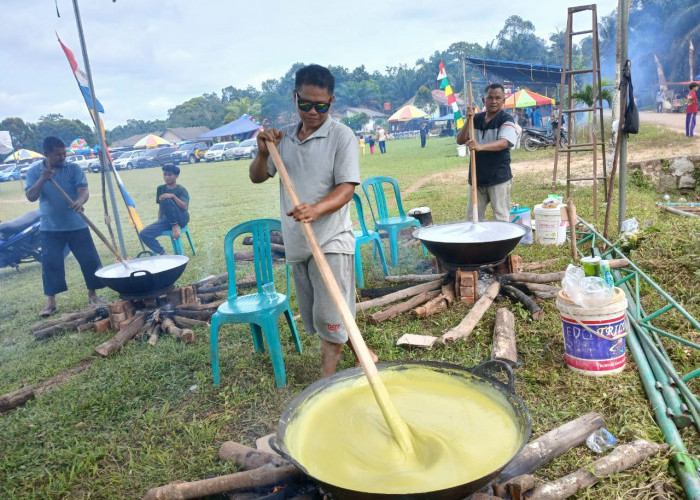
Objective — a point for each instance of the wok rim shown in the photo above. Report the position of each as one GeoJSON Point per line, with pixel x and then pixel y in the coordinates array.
{"type": "Point", "coordinates": [518, 408]}
{"type": "Point", "coordinates": [182, 258]}
{"type": "Point", "coordinates": [426, 229]}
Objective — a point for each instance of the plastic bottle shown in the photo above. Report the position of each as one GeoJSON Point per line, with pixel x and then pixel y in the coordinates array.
{"type": "Point", "coordinates": [606, 273]}
{"type": "Point", "coordinates": [601, 440]}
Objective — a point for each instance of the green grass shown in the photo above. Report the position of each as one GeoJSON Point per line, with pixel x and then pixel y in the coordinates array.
{"type": "Point", "coordinates": [149, 415]}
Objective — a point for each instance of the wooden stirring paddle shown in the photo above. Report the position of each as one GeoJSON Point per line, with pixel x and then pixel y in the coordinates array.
{"type": "Point", "coordinates": [472, 159]}
{"type": "Point", "coordinates": [397, 425]}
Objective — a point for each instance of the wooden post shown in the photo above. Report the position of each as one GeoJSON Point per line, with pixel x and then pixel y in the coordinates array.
{"type": "Point", "coordinates": [573, 220]}
{"type": "Point", "coordinates": [504, 337]}
{"type": "Point", "coordinates": [464, 329]}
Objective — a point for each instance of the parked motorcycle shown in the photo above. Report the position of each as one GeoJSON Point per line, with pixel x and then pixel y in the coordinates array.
{"type": "Point", "coordinates": [19, 240]}
{"type": "Point", "coordinates": [535, 138]}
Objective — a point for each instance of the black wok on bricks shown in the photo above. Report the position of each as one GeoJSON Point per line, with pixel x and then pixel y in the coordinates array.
{"type": "Point", "coordinates": [463, 244]}
{"type": "Point", "coordinates": [486, 378]}
{"type": "Point", "coordinates": [143, 276]}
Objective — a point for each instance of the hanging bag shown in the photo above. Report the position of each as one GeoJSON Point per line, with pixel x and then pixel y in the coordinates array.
{"type": "Point", "coordinates": [631, 124]}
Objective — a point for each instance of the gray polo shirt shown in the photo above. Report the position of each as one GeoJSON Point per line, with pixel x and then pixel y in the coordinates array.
{"type": "Point", "coordinates": [316, 166]}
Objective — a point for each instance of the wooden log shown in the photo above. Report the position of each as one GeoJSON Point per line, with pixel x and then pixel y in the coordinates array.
{"type": "Point", "coordinates": [573, 220]}
{"type": "Point", "coordinates": [516, 488]}
{"type": "Point", "coordinates": [541, 290]}
{"type": "Point", "coordinates": [248, 255]}
{"type": "Point", "coordinates": [504, 337]}
{"type": "Point", "coordinates": [117, 318]}
{"type": "Point", "coordinates": [535, 266]}
{"type": "Point", "coordinates": [65, 318]}
{"type": "Point", "coordinates": [465, 327]}
{"type": "Point", "coordinates": [392, 312]}
{"type": "Point", "coordinates": [620, 459]}
{"type": "Point", "coordinates": [211, 297]}
{"type": "Point", "coordinates": [275, 237]}
{"type": "Point", "coordinates": [248, 458]}
{"type": "Point", "coordinates": [437, 304]}
{"type": "Point", "coordinates": [203, 315]}
{"type": "Point", "coordinates": [374, 293]}
{"type": "Point", "coordinates": [535, 310]}
{"type": "Point", "coordinates": [103, 325]}
{"type": "Point", "coordinates": [483, 496]}
{"type": "Point", "coordinates": [15, 398]}
{"type": "Point", "coordinates": [550, 445]}
{"type": "Point", "coordinates": [122, 337]}
{"type": "Point", "coordinates": [212, 281]}
{"type": "Point", "coordinates": [262, 476]}
{"type": "Point", "coordinates": [401, 294]}
{"type": "Point", "coordinates": [184, 322]}
{"type": "Point", "coordinates": [534, 277]}
{"type": "Point", "coordinates": [153, 334]}
{"type": "Point", "coordinates": [184, 334]}
{"type": "Point", "coordinates": [53, 330]}
{"type": "Point", "coordinates": [213, 289]}
{"type": "Point", "coordinates": [414, 278]}
{"type": "Point", "coordinates": [210, 306]}
{"type": "Point", "coordinates": [129, 308]}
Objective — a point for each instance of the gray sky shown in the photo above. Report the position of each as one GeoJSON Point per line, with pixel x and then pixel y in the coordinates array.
{"type": "Point", "coordinates": [146, 56]}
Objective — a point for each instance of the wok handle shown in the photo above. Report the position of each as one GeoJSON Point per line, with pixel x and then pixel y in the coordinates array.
{"type": "Point", "coordinates": [141, 272]}
{"type": "Point", "coordinates": [490, 369]}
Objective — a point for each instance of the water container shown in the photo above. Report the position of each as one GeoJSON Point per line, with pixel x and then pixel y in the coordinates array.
{"type": "Point", "coordinates": [522, 216]}
{"type": "Point", "coordinates": [462, 150]}
{"type": "Point", "coordinates": [549, 225]}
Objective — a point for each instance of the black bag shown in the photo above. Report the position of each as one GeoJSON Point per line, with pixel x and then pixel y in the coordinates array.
{"type": "Point", "coordinates": [631, 123]}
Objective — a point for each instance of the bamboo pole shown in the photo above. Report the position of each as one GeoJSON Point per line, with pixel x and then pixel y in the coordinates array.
{"type": "Point", "coordinates": [472, 159]}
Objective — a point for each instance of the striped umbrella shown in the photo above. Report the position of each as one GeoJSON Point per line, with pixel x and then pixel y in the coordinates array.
{"type": "Point", "coordinates": [407, 113]}
{"type": "Point", "coordinates": [152, 141]}
{"type": "Point", "coordinates": [24, 154]}
{"type": "Point", "coordinates": [526, 99]}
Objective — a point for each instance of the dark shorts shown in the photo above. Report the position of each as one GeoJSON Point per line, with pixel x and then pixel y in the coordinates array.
{"type": "Point", "coordinates": [53, 272]}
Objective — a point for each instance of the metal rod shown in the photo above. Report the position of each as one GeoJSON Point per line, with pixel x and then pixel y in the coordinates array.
{"type": "Point", "coordinates": [98, 122]}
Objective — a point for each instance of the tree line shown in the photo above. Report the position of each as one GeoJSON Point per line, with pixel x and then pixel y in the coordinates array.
{"type": "Point", "coordinates": [663, 27]}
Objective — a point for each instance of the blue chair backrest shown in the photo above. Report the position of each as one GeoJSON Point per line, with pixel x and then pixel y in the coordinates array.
{"type": "Point", "coordinates": [360, 213]}
{"type": "Point", "coordinates": [377, 185]}
{"type": "Point", "coordinates": [260, 229]}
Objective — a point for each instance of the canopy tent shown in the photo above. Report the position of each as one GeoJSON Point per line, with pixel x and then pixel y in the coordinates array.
{"type": "Point", "coordinates": [443, 118]}
{"type": "Point", "coordinates": [244, 125]}
{"type": "Point", "coordinates": [526, 99]}
{"type": "Point", "coordinates": [407, 113]}
{"type": "Point", "coordinates": [517, 72]}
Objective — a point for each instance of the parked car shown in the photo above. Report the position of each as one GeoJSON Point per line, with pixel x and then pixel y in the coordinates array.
{"type": "Point", "coordinates": [95, 165]}
{"type": "Point", "coordinates": [10, 172]}
{"type": "Point", "coordinates": [191, 152]}
{"type": "Point", "coordinates": [157, 158]}
{"type": "Point", "coordinates": [81, 160]}
{"type": "Point", "coordinates": [221, 151]}
{"type": "Point", "coordinates": [246, 149]}
{"type": "Point", "coordinates": [128, 160]}
{"type": "Point", "coordinates": [25, 167]}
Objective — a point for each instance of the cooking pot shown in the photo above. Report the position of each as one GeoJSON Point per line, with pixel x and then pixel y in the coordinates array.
{"type": "Point", "coordinates": [484, 378]}
{"type": "Point", "coordinates": [143, 276]}
{"type": "Point", "coordinates": [463, 244]}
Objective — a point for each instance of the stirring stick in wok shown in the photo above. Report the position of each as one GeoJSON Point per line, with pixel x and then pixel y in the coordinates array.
{"type": "Point", "coordinates": [92, 226]}
{"type": "Point", "coordinates": [396, 424]}
{"type": "Point", "coordinates": [472, 157]}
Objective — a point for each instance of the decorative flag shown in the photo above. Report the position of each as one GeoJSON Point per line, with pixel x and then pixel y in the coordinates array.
{"type": "Point", "coordinates": [82, 80]}
{"type": "Point", "coordinates": [80, 77]}
{"type": "Point", "coordinates": [449, 94]}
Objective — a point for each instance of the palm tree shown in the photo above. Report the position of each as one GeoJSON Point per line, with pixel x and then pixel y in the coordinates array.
{"type": "Point", "coordinates": [242, 106]}
{"type": "Point", "coordinates": [585, 93]}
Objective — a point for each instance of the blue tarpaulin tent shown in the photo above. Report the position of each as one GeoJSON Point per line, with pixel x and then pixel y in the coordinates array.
{"type": "Point", "coordinates": [443, 118]}
{"type": "Point", "coordinates": [243, 125]}
{"type": "Point", "coordinates": [520, 73]}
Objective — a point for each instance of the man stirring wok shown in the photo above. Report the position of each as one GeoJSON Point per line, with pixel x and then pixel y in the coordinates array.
{"type": "Point", "coordinates": [61, 223]}
{"type": "Point", "coordinates": [495, 134]}
{"type": "Point", "coordinates": [321, 156]}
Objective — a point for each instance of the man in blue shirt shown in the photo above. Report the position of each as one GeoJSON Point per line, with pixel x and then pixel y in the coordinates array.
{"type": "Point", "coordinates": [61, 223]}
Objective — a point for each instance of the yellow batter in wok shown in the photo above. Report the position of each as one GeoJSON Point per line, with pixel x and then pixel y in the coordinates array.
{"type": "Point", "coordinates": [460, 433]}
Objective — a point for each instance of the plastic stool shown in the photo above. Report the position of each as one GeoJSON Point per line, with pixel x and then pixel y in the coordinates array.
{"type": "Point", "coordinates": [177, 244]}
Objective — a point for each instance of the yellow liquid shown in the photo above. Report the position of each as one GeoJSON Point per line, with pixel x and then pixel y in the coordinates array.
{"type": "Point", "coordinates": [460, 432]}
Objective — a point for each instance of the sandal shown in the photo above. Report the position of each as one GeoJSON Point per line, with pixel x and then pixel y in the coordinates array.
{"type": "Point", "coordinates": [48, 311]}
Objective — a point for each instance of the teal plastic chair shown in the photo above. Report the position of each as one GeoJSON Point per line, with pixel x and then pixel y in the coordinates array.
{"type": "Point", "coordinates": [365, 236]}
{"type": "Point", "coordinates": [258, 309]}
{"type": "Point", "coordinates": [380, 212]}
{"type": "Point", "coordinates": [177, 244]}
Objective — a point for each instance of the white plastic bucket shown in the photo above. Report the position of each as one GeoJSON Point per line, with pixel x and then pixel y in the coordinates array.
{"type": "Point", "coordinates": [521, 215]}
{"type": "Point", "coordinates": [462, 150]}
{"type": "Point", "coordinates": [594, 339]}
{"type": "Point", "coordinates": [549, 226]}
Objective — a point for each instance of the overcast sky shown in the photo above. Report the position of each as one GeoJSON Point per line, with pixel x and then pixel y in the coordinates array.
{"type": "Point", "coordinates": [146, 56]}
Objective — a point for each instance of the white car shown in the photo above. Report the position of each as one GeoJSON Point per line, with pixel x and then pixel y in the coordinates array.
{"type": "Point", "coordinates": [247, 149]}
{"type": "Point", "coordinates": [81, 160]}
{"type": "Point", "coordinates": [128, 160]}
{"type": "Point", "coordinates": [221, 151]}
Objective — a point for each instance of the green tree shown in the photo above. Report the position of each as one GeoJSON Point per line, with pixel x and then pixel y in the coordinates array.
{"type": "Point", "coordinates": [356, 122]}
{"type": "Point", "coordinates": [23, 135]}
{"type": "Point", "coordinates": [231, 93]}
{"type": "Point", "coordinates": [239, 107]}
{"type": "Point", "coordinates": [134, 127]}
{"type": "Point", "coordinates": [207, 110]}
{"type": "Point", "coordinates": [585, 93]}
{"type": "Point", "coordinates": [67, 130]}
{"type": "Point", "coordinates": [517, 42]}
{"type": "Point", "coordinates": [424, 100]}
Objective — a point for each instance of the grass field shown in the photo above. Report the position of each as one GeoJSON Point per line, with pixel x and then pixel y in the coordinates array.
{"type": "Point", "coordinates": [149, 415]}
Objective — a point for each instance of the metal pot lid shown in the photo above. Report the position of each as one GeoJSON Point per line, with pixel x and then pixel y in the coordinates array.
{"type": "Point", "coordinates": [467, 232]}
{"type": "Point", "coordinates": [153, 265]}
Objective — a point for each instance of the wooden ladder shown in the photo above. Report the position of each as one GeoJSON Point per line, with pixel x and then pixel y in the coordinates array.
{"type": "Point", "coordinates": [567, 83]}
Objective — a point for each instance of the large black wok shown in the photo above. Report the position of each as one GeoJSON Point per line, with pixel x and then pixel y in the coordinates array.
{"type": "Point", "coordinates": [464, 244]}
{"type": "Point", "coordinates": [484, 375]}
{"type": "Point", "coordinates": [143, 276]}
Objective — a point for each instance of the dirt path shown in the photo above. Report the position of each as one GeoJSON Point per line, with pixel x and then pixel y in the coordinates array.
{"type": "Point", "coordinates": [671, 121]}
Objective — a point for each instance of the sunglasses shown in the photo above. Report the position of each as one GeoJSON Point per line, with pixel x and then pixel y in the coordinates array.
{"type": "Point", "coordinates": [306, 105]}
